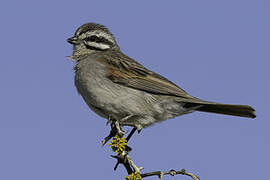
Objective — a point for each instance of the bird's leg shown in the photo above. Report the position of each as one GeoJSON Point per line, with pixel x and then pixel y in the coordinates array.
{"type": "Point", "coordinates": [116, 129]}
{"type": "Point", "coordinates": [131, 133]}
{"type": "Point", "coordinates": [131, 120]}
{"type": "Point", "coordinates": [119, 143]}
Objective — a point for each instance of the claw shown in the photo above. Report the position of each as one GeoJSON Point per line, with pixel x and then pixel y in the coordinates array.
{"type": "Point", "coordinates": [116, 129]}
{"type": "Point", "coordinates": [139, 128]}
{"type": "Point", "coordinates": [119, 129]}
{"type": "Point", "coordinates": [106, 139]}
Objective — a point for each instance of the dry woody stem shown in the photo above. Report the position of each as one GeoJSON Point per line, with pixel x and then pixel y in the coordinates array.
{"type": "Point", "coordinates": [119, 145]}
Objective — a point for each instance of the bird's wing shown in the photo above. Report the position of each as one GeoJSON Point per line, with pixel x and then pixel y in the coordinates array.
{"type": "Point", "coordinates": [129, 73]}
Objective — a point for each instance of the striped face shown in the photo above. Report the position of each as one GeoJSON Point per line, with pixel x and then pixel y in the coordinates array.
{"type": "Point", "coordinates": [92, 37]}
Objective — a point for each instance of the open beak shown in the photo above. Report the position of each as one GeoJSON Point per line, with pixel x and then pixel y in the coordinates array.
{"type": "Point", "coordinates": [73, 40]}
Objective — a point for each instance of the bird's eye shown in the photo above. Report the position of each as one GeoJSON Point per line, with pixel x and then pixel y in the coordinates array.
{"type": "Point", "coordinates": [98, 39]}
{"type": "Point", "coordinates": [91, 38]}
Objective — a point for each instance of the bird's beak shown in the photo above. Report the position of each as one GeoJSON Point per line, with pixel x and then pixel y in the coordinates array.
{"type": "Point", "coordinates": [73, 40]}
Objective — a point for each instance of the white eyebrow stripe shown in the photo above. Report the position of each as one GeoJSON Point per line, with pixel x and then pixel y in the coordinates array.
{"type": "Point", "coordinates": [98, 45]}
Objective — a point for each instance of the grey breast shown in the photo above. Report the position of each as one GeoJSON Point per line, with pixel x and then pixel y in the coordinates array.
{"type": "Point", "coordinates": [107, 98]}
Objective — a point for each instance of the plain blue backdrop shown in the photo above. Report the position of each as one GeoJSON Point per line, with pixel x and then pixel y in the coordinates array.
{"type": "Point", "coordinates": [216, 50]}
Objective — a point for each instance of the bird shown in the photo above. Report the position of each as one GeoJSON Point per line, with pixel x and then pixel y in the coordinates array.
{"type": "Point", "coordinates": [117, 87]}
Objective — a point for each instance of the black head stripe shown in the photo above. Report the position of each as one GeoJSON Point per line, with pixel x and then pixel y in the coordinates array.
{"type": "Point", "coordinates": [91, 27]}
{"type": "Point", "coordinates": [97, 39]}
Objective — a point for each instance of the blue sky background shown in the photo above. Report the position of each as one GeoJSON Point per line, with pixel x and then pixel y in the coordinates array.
{"type": "Point", "coordinates": [215, 50]}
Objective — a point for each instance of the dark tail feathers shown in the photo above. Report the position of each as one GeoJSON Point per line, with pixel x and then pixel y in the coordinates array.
{"type": "Point", "coordinates": [228, 109]}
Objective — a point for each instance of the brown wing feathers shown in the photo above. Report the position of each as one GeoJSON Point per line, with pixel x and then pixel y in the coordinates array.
{"type": "Point", "coordinates": [129, 73]}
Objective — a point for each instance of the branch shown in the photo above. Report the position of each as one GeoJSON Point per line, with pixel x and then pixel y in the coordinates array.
{"type": "Point", "coordinates": [119, 146]}
{"type": "Point", "coordinates": [172, 172]}
{"type": "Point", "coordinates": [124, 159]}
{"type": "Point", "coordinates": [131, 168]}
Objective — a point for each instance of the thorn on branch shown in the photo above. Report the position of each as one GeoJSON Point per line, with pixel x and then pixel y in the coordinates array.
{"type": "Point", "coordinates": [122, 160]}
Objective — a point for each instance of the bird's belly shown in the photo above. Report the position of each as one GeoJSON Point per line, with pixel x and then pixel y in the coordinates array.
{"type": "Point", "coordinates": [110, 99]}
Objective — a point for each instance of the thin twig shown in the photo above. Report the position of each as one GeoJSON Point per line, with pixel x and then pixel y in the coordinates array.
{"type": "Point", "coordinates": [172, 172]}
